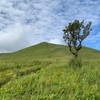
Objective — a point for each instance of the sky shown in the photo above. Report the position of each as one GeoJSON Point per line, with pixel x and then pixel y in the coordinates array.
{"type": "Point", "coordinates": [24, 23]}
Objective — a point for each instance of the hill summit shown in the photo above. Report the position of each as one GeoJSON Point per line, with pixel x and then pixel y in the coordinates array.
{"type": "Point", "coordinates": [48, 50]}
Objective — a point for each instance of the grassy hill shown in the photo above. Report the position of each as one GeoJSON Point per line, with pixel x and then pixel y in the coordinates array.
{"type": "Point", "coordinates": [42, 72]}
{"type": "Point", "coordinates": [47, 50]}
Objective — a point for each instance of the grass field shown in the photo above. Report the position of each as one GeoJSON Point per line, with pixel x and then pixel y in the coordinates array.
{"type": "Point", "coordinates": [42, 72]}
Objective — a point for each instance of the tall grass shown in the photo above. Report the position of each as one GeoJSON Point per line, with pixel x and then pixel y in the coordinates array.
{"type": "Point", "coordinates": [55, 80]}
{"type": "Point", "coordinates": [43, 72]}
{"type": "Point", "coordinates": [75, 62]}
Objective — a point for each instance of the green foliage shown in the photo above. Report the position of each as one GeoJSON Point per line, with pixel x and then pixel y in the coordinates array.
{"type": "Point", "coordinates": [75, 63]}
{"type": "Point", "coordinates": [42, 78]}
{"type": "Point", "coordinates": [74, 34]}
{"type": "Point", "coordinates": [55, 81]}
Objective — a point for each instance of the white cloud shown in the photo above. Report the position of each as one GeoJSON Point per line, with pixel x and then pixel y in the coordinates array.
{"type": "Point", "coordinates": [14, 37]}
{"type": "Point", "coordinates": [33, 21]}
{"type": "Point", "coordinates": [55, 41]}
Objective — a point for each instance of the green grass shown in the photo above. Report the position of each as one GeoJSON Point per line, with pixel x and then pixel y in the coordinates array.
{"type": "Point", "coordinates": [42, 72]}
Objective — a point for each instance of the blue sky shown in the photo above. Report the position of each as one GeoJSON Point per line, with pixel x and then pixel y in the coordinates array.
{"type": "Point", "coordinates": [27, 22]}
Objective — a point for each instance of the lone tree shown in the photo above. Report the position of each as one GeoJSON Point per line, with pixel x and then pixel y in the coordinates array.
{"type": "Point", "coordinates": [74, 34]}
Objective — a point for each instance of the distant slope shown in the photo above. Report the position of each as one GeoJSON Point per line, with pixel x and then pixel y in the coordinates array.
{"type": "Point", "coordinates": [47, 50]}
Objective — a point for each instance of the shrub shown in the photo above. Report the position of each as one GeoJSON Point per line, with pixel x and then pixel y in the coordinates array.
{"type": "Point", "coordinates": [75, 62]}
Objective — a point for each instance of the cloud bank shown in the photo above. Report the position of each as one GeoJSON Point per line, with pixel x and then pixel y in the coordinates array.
{"type": "Point", "coordinates": [28, 22]}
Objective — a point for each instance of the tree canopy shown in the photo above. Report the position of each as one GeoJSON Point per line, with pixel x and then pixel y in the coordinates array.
{"type": "Point", "coordinates": [74, 34]}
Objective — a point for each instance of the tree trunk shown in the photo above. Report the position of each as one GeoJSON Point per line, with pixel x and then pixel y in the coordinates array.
{"type": "Point", "coordinates": [76, 54]}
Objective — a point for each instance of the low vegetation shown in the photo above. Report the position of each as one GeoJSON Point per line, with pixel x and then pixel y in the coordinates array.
{"type": "Point", "coordinates": [43, 72]}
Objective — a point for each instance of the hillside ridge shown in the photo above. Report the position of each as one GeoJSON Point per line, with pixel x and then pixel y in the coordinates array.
{"type": "Point", "coordinates": [49, 50]}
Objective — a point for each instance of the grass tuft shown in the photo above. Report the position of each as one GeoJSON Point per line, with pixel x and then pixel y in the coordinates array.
{"type": "Point", "coordinates": [75, 63]}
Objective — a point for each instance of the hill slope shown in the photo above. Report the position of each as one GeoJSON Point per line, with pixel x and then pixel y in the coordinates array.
{"type": "Point", "coordinates": [42, 72]}
{"type": "Point", "coordinates": [47, 50]}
